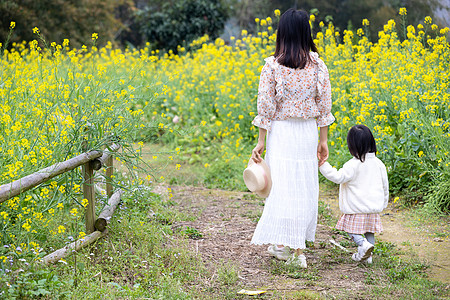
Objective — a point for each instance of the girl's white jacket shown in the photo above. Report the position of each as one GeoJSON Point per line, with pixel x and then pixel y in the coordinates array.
{"type": "Point", "coordinates": [364, 187]}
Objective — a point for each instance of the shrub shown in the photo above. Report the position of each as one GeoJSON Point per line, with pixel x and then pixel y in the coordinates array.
{"type": "Point", "coordinates": [181, 22]}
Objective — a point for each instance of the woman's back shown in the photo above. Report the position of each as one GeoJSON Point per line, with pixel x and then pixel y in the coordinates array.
{"type": "Point", "coordinates": [295, 93]}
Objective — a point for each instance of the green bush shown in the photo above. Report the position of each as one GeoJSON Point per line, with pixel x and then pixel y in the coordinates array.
{"type": "Point", "coordinates": [181, 22]}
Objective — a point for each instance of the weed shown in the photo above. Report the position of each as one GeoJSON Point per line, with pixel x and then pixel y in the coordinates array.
{"type": "Point", "coordinates": [325, 214]}
{"type": "Point", "coordinates": [306, 295]}
{"type": "Point", "coordinates": [32, 283]}
{"type": "Point", "coordinates": [310, 274]}
{"type": "Point", "coordinates": [249, 196]}
{"type": "Point", "coordinates": [252, 215]}
{"type": "Point", "coordinates": [384, 249]}
{"type": "Point", "coordinates": [192, 233]}
{"type": "Point", "coordinates": [227, 273]}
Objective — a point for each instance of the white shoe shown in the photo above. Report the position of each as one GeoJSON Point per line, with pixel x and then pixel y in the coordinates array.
{"type": "Point", "coordinates": [297, 261]}
{"type": "Point", "coordinates": [364, 251]}
{"type": "Point", "coordinates": [280, 253]}
{"type": "Point", "coordinates": [369, 260]}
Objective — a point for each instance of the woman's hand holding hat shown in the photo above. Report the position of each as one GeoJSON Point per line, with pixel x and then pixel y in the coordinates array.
{"type": "Point", "coordinates": [257, 152]}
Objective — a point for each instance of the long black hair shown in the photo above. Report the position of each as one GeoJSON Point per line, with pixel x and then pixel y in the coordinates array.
{"type": "Point", "coordinates": [294, 40]}
{"type": "Point", "coordinates": [361, 141]}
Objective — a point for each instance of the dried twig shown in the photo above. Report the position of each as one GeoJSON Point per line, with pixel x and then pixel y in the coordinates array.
{"type": "Point", "coordinates": [338, 245]}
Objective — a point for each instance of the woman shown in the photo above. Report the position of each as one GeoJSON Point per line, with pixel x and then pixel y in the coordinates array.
{"type": "Point", "coordinates": [294, 98]}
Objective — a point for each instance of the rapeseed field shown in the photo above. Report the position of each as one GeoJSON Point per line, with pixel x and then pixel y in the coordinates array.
{"type": "Point", "coordinates": [57, 102]}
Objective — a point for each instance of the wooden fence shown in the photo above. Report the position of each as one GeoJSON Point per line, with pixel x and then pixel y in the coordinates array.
{"type": "Point", "coordinates": [90, 161]}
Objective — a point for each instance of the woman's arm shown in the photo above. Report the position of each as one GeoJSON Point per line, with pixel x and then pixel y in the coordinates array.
{"type": "Point", "coordinates": [259, 149]}
{"type": "Point", "coordinates": [322, 147]}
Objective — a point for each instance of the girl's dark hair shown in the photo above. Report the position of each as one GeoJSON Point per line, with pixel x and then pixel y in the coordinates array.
{"type": "Point", "coordinates": [294, 40]}
{"type": "Point", "coordinates": [360, 141]}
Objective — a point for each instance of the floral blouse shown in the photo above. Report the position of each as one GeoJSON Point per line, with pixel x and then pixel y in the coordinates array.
{"type": "Point", "coordinates": [294, 93]}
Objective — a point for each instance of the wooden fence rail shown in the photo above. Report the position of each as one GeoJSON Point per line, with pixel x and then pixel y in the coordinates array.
{"type": "Point", "coordinates": [10, 190]}
{"type": "Point", "coordinates": [90, 161]}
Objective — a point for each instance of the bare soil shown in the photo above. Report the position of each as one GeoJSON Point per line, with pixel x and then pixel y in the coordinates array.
{"type": "Point", "coordinates": [226, 221]}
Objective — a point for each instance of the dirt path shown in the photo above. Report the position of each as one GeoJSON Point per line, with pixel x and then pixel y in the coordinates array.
{"type": "Point", "coordinates": [227, 220]}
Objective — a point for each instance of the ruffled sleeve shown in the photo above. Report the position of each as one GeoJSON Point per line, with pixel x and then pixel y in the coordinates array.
{"type": "Point", "coordinates": [266, 103]}
{"type": "Point", "coordinates": [323, 99]}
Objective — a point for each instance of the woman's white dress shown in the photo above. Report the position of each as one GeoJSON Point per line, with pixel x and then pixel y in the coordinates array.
{"type": "Point", "coordinates": [290, 212]}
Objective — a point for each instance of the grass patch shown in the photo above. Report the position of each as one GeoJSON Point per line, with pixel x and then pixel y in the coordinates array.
{"type": "Point", "coordinates": [227, 274]}
{"type": "Point", "coordinates": [139, 258]}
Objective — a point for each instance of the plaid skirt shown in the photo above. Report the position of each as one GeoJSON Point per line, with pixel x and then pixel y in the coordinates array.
{"type": "Point", "coordinates": [360, 223]}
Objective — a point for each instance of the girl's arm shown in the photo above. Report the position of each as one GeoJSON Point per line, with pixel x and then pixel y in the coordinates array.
{"type": "Point", "coordinates": [259, 149]}
{"type": "Point", "coordinates": [343, 175]}
{"type": "Point", "coordinates": [322, 147]}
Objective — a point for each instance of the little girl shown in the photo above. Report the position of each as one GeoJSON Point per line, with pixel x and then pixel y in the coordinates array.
{"type": "Point", "coordinates": [363, 191]}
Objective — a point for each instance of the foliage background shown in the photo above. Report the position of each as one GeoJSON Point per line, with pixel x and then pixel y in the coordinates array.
{"type": "Point", "coordinates": [162, 23]}
{"type": "Point", "coordinates": [201, 103]}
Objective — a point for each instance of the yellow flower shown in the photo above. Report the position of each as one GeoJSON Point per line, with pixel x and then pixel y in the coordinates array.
{"type": "Point", "coordinates": [94, 36]}
{"type": "Point", "coordinates": [36, 30]}
{"type": "Point", "coordinates": [84, 202]}
{"type": "Point", "coordinates": [81, 235]}
{"type": "Point", "coordinates": [4, 215]}
{"type": "Point", "coordinates": [74, 212]}
{"type": "Point", "coordinates": [276, 12]}
{"type": "Point", "coordinates": [365, 22]}
{"type": "Point", "coordinates": [428, 20]}
{"type": "Point", "coordinates": [312, 18]}
{"type": "Point", "coordinates": [12, 25]}
{"type": "Point", "coordinates": [402, 11]}
{"type": "Point", "coordinates": [61, 229]}
{"type": "Point", "coordinates": [420, 154]}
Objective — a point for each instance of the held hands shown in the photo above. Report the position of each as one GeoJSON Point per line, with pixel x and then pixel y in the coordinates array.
{"type": "Point", "coordinates": [257, 152]}
{"type": "Point", "coordinates": [322, 152]}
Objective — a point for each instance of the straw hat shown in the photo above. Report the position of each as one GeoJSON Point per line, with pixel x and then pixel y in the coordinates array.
{"type": "Point", "coordinates": [257, 178]}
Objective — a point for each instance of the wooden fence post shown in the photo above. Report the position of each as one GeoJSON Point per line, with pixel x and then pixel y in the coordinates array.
{"type": "Point", "coordinates": [109, 174]}
{"type": "Point", "coordinates": [89, 194]}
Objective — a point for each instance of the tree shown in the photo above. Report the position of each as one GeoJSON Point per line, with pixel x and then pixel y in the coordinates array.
{"type": "Point", "coordinates": [75, 20]}
{"type": "Point", "coordinates": [343, 12]}
{"type": "Point", "coordinates": [180, 22]}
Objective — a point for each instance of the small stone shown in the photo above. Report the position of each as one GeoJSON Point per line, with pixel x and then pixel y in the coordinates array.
{"type": "Point", "coordinates": [438, 240]}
